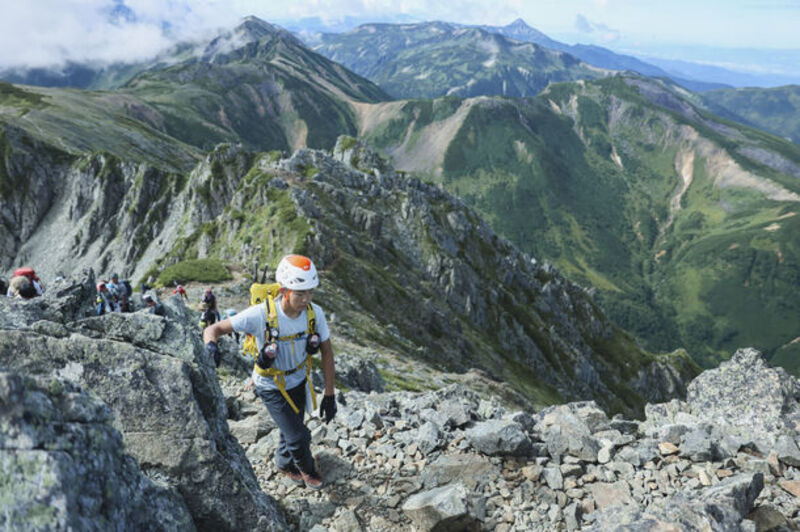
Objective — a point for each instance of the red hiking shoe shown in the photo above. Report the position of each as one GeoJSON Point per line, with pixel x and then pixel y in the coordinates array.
{"type": "Point", "coordinates": [293, 474]}
{"type": "Point", "coordinates": [313, 481]}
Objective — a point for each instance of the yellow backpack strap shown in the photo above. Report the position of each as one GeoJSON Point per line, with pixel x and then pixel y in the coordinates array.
{"type": "Point", "coordinates": [250, 347]}
{"type": "Point", "coordinates": [272, 314]}
{"type": "Point", "coordinates": [311, 317]}
{"type": "Point", "coordinates": [280, 382]}
{"type": "Point", "coordinates": [310, 385]}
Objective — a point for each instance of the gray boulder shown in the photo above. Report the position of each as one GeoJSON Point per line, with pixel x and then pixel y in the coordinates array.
{"type": "Point", "coordinates": [359, 374]}
{"type": "Point", "coordinates": [453, 413]}
{"type": "Point", "coordinates": [252, 428]}
{"type": "Point", "coordinates": [449, 508]}
{"type": "Point", "coordinates": [428, 437]}
{"type": "Point", "coordinates": [567, 430]}
{"type": "Point", "coordinates": [63, 466]}
{"type": "Point", "coordinates": [472, 470]}
{"type": "Point", "coordinates": [788, 453]}
{"type": "Point", "coordinates": [722, 507]}
{"type": "Point", "coordinates": [747, 398]}
{"type": "Point", "coordinates": [499, 437]}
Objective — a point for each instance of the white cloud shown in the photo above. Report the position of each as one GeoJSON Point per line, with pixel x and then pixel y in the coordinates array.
{"type": "Point", "coordinates": [601, 32]}
{"type": "Point", "coordinates": [49, 33]}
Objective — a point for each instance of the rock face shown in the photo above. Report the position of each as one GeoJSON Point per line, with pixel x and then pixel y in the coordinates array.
{"type": "Point", "coordinates": [162, 393]}
{"type": "Point", "coordinates": [63, 466]}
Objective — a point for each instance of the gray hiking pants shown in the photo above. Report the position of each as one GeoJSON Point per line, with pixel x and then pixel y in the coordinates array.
{"type": "Point", "coordinates": [294, 444]}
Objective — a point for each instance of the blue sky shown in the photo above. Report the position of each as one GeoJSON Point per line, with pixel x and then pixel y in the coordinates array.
{"type": "Point", "coordinates": [48, 32]}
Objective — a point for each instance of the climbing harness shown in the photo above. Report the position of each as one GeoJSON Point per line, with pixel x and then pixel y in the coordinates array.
{"type": "Point", "coordinates": [266, 293]}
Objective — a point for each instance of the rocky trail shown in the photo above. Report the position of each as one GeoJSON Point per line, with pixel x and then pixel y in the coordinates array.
{"type": "Point", "coordinates": [452, 460]}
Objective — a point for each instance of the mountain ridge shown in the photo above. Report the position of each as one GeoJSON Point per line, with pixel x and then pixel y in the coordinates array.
{"type": "Point", "coordinates": [390, 459]}
{"type": "Point", "coordinates": [599, 56]}
{"type": "Point", "coordinates": [437, 58]}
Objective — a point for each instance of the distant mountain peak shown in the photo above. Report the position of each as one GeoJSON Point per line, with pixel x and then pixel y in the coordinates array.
{"type": "Point", "coordinates": [519, 29]}
{"type": "Point", "coordinates": [250, 30]}
{"type": "Point", "coordinates": [254, 29]}
{"type": "Point", "coordinates": [518, 24]}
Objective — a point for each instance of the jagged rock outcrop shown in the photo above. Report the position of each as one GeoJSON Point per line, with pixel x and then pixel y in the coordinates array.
{"type": "Point", "coordinates": [63, 466]}
{"type": "Point", "coordinates": [744, 399]}
{"type": "Point", "coordinates": [65, 212]}
{"type": "Point", "coordinates": [424, 265]}
{"type": "Point", "coordinates": [160, 388]}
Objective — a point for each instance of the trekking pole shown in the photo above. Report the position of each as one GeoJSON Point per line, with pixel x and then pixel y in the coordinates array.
{"type": "Point", "coordinates": [255, 271]}
{"type": "Point", "coordinates": [264, 274]}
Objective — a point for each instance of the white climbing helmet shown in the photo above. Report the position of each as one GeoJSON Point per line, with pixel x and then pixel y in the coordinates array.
{"type": "Point", "coordinates": [297, 272]}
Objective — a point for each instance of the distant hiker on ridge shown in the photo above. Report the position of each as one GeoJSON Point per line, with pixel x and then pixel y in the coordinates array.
{"type": "Point", "coordinates": [209, 315]}
{"type": "Point", "coordinates": [180, 290]}
{"type": "Point", "coordinates": [21, 287]}
{"type": "Point", "coordinates": [30, 274]}
{"type": "Point", "coordinates": [151, 307]}
{"type": "Point", "coordinates": [288, 330]}
{"type": "Point", "coordinates": [105, 303]}
{"type": "Point", "coordinates": [121, 291]}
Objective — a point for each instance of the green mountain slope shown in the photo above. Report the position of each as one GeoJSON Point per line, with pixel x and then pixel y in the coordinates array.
{"type": "Point", "coordinates": [436, 59]}
{"type": "Point", "coordinates": [774, 110]}
{"type": "Point", "coordinates": [256, 84]}
{"type": "Point", "coordinates": [78, 121]}
{"type": "Point", "coordinates": [683, 222]}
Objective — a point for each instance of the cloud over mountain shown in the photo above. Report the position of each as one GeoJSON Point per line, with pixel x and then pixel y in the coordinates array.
{"type": "Point", "coordinates": [49, 33]}
{"type": "Point", "coordinates": [604, 33]}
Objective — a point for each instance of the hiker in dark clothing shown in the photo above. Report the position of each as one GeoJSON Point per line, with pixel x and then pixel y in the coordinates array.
{"type": "Point", "coordinates": [151, 306]}
{"type": "Point", "coordinates": [210, 303]}
{"type": "Point", "coordinates": [121, 291]}
{"type": "Point", "coordinates": [22, 287]}
{"type": "Point", "coordinates": [209, 317]}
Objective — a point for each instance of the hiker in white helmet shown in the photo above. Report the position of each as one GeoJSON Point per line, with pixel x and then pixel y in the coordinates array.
{"type": "Point", "coordinates": [288, 329]}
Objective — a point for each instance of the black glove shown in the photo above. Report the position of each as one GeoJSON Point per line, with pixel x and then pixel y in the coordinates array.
{"type": "Point", "coordinates": [328, 408]}
{"type": "Point", "coordinates": [213, 350]}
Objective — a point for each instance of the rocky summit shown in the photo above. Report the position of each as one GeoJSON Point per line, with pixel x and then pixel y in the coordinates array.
{"type": "Point", "coordinates": [120, 422]}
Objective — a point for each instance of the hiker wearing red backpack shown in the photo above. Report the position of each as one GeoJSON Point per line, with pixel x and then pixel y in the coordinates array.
{"type": "Point", "coordinates": [31, 276]}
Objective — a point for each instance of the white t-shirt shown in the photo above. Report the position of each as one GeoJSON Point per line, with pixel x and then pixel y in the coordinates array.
{"type": "Point", "coordinates": [291, 353]}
